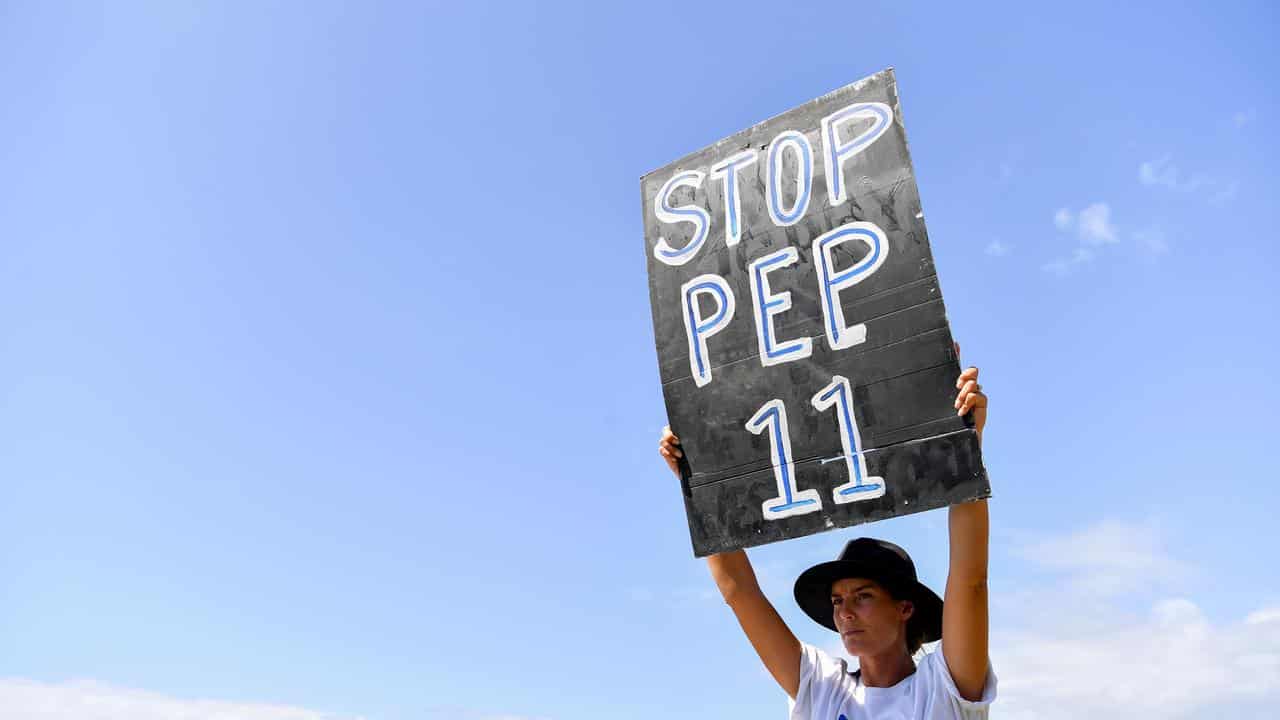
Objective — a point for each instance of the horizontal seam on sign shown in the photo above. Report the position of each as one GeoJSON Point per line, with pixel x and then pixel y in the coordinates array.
{"type": "Point", "coordinates": [916, 425]}
{"type": "Point", "coordinates": [815, 337]}
{"type": "Point", "coordinates": [813, 457]}
{"type": "Point", "coordinates": [834, 457]}
{"type": "Point", "coordinates": [861, 301]}
{"type": "Point", "coordinates": [881, 316]}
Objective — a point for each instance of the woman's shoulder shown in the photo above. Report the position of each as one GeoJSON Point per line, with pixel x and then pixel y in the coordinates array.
{"type": "Point", "coordinates": [934, 678]}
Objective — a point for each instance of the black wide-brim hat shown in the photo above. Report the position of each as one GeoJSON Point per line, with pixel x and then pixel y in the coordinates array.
{"type": "Point", "coordinates": [878, 560]}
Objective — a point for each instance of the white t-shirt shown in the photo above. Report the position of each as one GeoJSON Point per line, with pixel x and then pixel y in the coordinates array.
{"type": "Point", "coordinates": [828, 691]}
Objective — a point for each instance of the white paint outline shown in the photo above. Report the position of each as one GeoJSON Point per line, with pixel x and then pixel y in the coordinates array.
{"type": "Point", "coordinates": [840, 390]}
{"type": "Point", "coordinates": [839, 335]}
{"type": "Point", "coordinates": [695, 214]}
{"type": "Point", "coordinates": [773, 193]}
{"type": "Point", "coordinates": [727, 172]}
{"type": "Point", "coordinates": [836, 154]}
{"type": "Point", "coordinates": [697, 333]}
{"type": "Point", "coordinates": [791, 500]}
{"type": "Point", "coordinates": [767, 304]}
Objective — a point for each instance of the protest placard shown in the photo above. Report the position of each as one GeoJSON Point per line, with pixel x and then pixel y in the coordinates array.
{"type": "Point", "coordinates": [803, 346]}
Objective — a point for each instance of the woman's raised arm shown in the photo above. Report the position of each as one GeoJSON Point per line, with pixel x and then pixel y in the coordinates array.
{"type": "Point", "coordinates": [773, 641]}
{"type": "Point", "coordinates": [964, 609]}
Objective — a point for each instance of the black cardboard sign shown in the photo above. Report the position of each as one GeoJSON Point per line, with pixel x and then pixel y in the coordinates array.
{"type": "Point", "coordinates": [803, 346]}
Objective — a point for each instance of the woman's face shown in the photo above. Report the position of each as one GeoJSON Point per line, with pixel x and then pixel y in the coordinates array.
{"type": "Point", "coordinates": [869, 620]}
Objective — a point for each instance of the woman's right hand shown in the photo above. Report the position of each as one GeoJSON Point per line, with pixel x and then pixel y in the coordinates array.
{"type": "Point", "coordinates": [669, 449]}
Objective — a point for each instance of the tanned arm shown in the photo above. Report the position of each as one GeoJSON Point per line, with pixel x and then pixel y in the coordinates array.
{"type": "Point", "coordinates": [964, 611]}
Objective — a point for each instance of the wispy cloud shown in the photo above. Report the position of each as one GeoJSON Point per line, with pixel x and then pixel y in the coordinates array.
{"type": "Point", "coordinates": [1108, 557]}
{"type": "Point", "coordinates": [995, 248]}
{"type": "Point", "coordinates": [1171, 663]}
{"type": "Point", "coordinates": [1243, 117]}
{"type": "Point", "coordinates": [1162, 172]}
{"type": "Point", "coordinates": [1092, 226]}
{"type": "Point", "coordinates": [24, 699]}
{"type": "Point", "coordinates": [1263, 616]}
{"type": "Point", "coordinates": [1076, 647]}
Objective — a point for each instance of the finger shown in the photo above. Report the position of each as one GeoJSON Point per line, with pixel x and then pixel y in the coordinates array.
{"type": "Point", "coordinates": [971, 401]}
{"type": "Point", "coordinates": [667, 435]}
{"type": "Point", "coordinates": [970, 373]}
{"type": "Point", "coordinates": [668, 449]}
{"type": "Point", "coordinates": [969, 387]}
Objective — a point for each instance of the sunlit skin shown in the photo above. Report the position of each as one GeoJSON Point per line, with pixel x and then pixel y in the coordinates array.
{"type": "Point", "coordinates": [873, 627]}
{"type": "Point", "coordinates": [874, 624]}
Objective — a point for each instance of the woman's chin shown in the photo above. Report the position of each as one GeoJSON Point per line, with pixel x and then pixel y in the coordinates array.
{"type": "Point", "coordinates": [853, 643]}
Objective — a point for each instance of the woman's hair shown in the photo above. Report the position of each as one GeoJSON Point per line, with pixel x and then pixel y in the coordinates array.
{"type": "Point", "coordinates": [915, 634]}
{"type": "Point", "coordinates": [915, 625]}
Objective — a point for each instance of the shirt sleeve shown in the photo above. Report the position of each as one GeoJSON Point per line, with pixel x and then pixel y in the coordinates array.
{"type": "Point", "coordinates": [945, 688]}
{"type": "Point", "coordinates": [820, 681]}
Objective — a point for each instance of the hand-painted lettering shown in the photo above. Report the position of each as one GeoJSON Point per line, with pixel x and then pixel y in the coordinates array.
{"type": "Point", "coordinates": [837, 152]}
{"type": "Point", "coordinates": [799, 145]}
{"type": "Point", "coordinates": [840, 335]}
{"type": "Point", "coordinates": [839, 394]}
{"type": "Point", "coordinates": [727, 171]}
{"type": "Point", "coordinates": [790, 501]}
{"type": "Point", "coordinates": [768, 303]}
{"type": "Point", "coordinates": [684, 213]}
{"type": "Point", "coordinates": [699, 328]}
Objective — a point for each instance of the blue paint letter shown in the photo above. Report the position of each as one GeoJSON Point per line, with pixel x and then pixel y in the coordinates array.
{"type": "Point", "coordinates": [768, 304]}
{"type": "Point", "coordinates": [799, 144]}
{"type": "Point", "coordinates": [697, 328]}
{"type": "Point", "coordinates": [837, 152]}
{"type": "Point", "coordinates": [790, 501]}
{"type": "Point", "coordinates": [685, 213]}
{"type": "Point", "coordinates": [839, 335]}
{"type": "Point", "coordinates": [727, 171]}
{"type": "Point", "coordinates": [860, 487]}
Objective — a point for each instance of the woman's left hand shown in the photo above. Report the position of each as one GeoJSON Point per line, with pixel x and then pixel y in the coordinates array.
{"type": "Point", "coordinates": [971, 399]}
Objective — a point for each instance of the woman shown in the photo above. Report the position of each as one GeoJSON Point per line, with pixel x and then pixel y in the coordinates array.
{"type": "Point", "coordinates": [870, 596]}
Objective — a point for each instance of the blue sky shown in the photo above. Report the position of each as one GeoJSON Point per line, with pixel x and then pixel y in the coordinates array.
{"type": "Point", "coordinates": [328, 379]}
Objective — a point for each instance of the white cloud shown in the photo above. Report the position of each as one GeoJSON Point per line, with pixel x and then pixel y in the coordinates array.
{"type": "Point", "coordinates": [1107, 558]}
{"type": "Point", "coordinates": [88, 700]}
{"type": "Point", "coordinates": [1094, 225]}
{"type": "Point", "coordinates": [1172, 663]}
{"type": "Point", "coordinates": [997, 249]}
{"type": "Point", "coordinates": [1161, 172]}
{"type": "Point", "coordinates": [1243, 117]}
{"type": "Point", "coordinates": [1077, 650]}
{"type": "Point", "coordinates": [1264, 615]}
